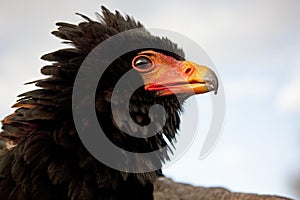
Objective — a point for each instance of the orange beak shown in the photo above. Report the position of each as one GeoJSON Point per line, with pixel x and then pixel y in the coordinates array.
{"type": "Point", "coordinates": [170, 76]}
{"type": "Point", "coordinates": [191, 79]}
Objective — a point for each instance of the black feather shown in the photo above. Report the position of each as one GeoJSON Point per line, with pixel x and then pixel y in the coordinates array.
{"type": "Point", "coordinates": [48, 160]}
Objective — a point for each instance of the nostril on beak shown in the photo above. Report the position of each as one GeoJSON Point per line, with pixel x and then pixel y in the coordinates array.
{"type": "Point", "coordinates": [188, 70]}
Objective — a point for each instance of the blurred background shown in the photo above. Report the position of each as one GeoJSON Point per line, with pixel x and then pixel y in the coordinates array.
{"type": "Point", "coordinates": [255, 46]}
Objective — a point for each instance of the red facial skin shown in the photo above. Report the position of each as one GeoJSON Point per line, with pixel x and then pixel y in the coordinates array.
{"type": "Point", "coordinates": [167, 76]}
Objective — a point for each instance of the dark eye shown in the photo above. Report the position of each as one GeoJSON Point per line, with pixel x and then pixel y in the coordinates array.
{"type": "Point", "coordinates": [142, 63]}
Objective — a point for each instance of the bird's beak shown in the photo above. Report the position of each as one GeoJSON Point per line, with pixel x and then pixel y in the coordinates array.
{"type": "Point", "coordinates": [185, 77]}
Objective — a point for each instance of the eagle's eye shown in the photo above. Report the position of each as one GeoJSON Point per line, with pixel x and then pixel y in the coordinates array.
{"type": "Point", "coordinates": [142, 63]}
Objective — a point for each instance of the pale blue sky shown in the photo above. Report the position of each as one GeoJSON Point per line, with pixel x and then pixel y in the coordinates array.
{"type": "Point", "coordinates": [255, 46]}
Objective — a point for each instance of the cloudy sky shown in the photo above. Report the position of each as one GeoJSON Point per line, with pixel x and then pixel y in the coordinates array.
{"type": "Point", "coordinates": [255, 46]}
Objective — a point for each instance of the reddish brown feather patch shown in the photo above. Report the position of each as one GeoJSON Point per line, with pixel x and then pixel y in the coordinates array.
{"type": "Point", "coordinates": [7, 119]}
{"type": "Point", "coordinates": [22, 105]}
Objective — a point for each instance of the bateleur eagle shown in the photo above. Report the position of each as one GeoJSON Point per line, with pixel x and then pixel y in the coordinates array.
{"type": "Point", "coordinates": [44, 157]}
